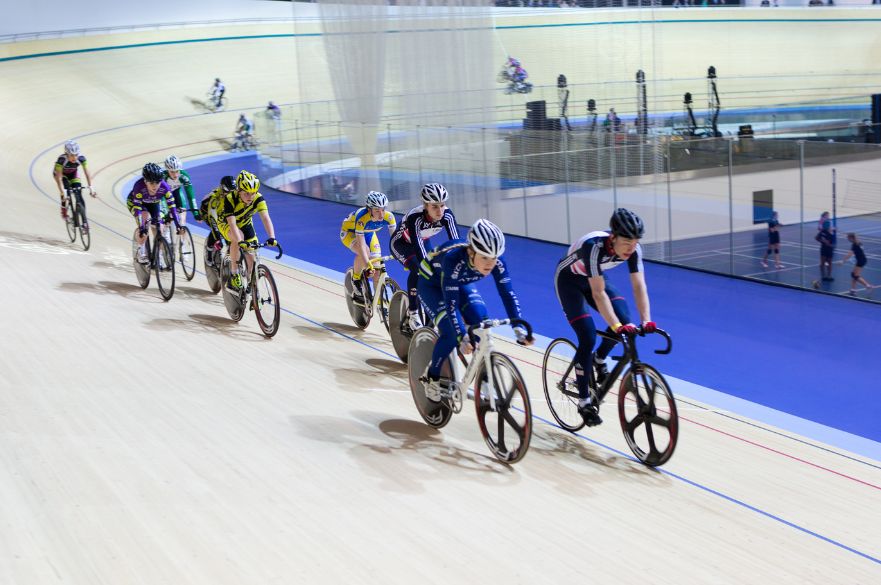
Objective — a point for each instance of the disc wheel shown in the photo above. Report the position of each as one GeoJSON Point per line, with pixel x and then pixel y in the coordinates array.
{"type": "Point", "coordinates": [233, 301]}
{"type": "Point", "coordinates": [648, 416]}
{"type": "Point", "coordinates": [186, 253]}
{"type": "Point", "coordinates": [435, 414]}
{"type": "Point", "coordinates": [163, 265]}
{"type": "Point", "coordinates": [264, 297]}
{"type": "Point", "coordinates": [212, 273]}
{"type": "Point", "coordinates": [558, 378]}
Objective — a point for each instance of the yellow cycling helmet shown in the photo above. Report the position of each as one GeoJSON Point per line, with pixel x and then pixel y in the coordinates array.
{"type": "Point", "coordinates": [247, 182]}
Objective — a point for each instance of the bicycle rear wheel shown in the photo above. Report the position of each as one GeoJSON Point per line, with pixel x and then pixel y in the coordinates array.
{"type": "Point", "coordinates": [70, 222]}
{"type": "Point", "coordinates": [435, 414]}
{"type": "Point", "coordinates": [389, 288]}
{"type": "Point", "coordinates": [558, 378]}
{"type": "Point", "coordinates": [647, 412]}
{"type": "Point", "coordinates": [187, 253]}
{"type": "Point", "coordinates": [142, 271]}
{"type": "Point", "coordinates": [265, 300]}
{"type": "Point", "coordinates": [85, 236]}
{"type": "Point", "coordinates": [163, 264]}
{"type": "Point", "coordinates": [507, 429]}
{"type": "Point", "coordinates": [212, 273]}
{"type": "Point", "coordinates": [357, 312]}
{"type": "Point", "coordinates": [399, 328]}
{"type": "Point", "coordinates": [233, 301]}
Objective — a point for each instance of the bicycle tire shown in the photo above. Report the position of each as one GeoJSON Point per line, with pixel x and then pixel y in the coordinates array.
{"type": "Point", "coordinates": [435, 414]}
{"type": "Point", "coordinates": [212, 273]}
{"type": "Point", "coordinates": [187, 253]}
{"type": "Point", "coordinates": [400, 337]}
{"type": "Point", "coordinates": [233, 302]}
{"type": "Point", "coordinates": [638, 407]}
{"type": "Point", "coordinates": [265, 278]}
{"type": "Point", "coordinates": [70, 222]}
{"type": "Point", "coordinates": [142, 271]}
{"type": "Point", "coordinates": [512, 418]}
{"type": "Point", "coordinates": [356, 312]}
{"type": "Point", "coordinates": [388, 291]}
{"type": "Point", "coordinates": [163, 265]}
{"type": "Point", "coordinates": [561, 394]}
{"type": "Point", "coordinates": [85, 235]}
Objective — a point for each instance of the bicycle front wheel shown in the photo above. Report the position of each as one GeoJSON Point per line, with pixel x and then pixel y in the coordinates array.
{"type": "Point", "coordinates": [163, 264]}
{"type": "Point", "coordinates": [142, 271]}
{"type": "Point", "coordinates": [389, 288]}
{"type": "Point", "coordinates": [85, 236]}
{"type": "Point", "coordinates": [70, 222]}
{"type": "Point", "coordinates": [558, 378]}
{"type": "Point", "coordinates": [647, 412]}
{"type": "Point", "coordinates": [435, 414]}
{"type": "Point", "coordinates": [187, 253]}
{"type": "Point", "coordinates": [506, 425]}
{"type": "Point", "coordinates": [265, 299]}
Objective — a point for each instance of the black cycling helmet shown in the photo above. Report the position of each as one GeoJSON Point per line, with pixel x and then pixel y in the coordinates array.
{"type": "Point", "coordinates": [626, 224]}
{"type": "Point", "coordinates": [228, 183]}
{"type": "Point", "coordinates": [152, 172]}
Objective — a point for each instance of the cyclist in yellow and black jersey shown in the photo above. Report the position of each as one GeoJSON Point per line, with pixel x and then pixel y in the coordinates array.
{"type": "Point", "coordinates": [235, 222]}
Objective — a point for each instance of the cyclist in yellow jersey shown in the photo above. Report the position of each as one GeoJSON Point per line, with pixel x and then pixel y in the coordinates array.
{"type": "Point", "coordinates": [354, 232]}
{"type": "Point", "coordinates": [236, 222]}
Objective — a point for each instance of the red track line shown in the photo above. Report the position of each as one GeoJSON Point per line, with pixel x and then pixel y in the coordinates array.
{"type": "Point", "coordinates": [117, 161]}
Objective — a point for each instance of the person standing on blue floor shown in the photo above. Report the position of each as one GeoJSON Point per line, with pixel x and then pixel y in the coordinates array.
{"type": "Point", "coordinates": [581, 285]}
{"type": "Point", "coordinates": [446, 287]}
{"type": "Point", "coordinates": [856, 250]}
{"type": "Point", "coordinates": [408, 243]}
{"type": "Point", "coordinates": [773, 242]}
{"type": "Point", "coordinates": [827, 239]}
{"type": "Point", "coordinates": [359, 226]}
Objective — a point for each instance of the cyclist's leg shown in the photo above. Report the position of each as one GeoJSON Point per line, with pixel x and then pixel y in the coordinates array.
{"type": "Point", "coordinates": [622, 311]}
{"type": "Point", "coordinates": [181, 206]}
{"type": "Point", "coordinates": [348, 239]}
{"type": "Point", "coordinates": [65, 182]}
{"type": "Point", "coordinates": [375, 251]}
{"type": "Point", "coordinates": [435, 307]}
{"type": "Point", "coordinates": [573, 295]}
{"type": "Point", "coordinates": [410, 259]}
{"type": "Point", "coordinates": [249, 236]}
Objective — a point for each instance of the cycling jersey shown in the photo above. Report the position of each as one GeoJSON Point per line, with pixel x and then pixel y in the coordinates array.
{"type": "Point", "coordinates": [176, 185]}
{"type": "Point", "coordinates": [361, 222]}
{"type": "Point", "coordinates": [410, 236]}
{"type": "Point", "coordinates": [140, 195]}
{"type": "Point", "coordinates": [593, 254]}
{"type": "Point", "coordinates": [69, 169]}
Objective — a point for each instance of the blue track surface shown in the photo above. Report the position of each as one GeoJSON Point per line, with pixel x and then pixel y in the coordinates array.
{"type": "Point", "coordinates": [810, 355]}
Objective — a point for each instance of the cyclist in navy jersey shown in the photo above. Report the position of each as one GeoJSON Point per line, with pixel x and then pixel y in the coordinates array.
{"type": "Point", "coordinates": [408, 242]}
{"type": "Point", "coordinates": [446, 287]}
{"type": "Point", "coordinates": [581, 283]}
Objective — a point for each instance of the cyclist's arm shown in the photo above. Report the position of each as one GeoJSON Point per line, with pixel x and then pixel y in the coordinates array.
{"type": "Point", "coordinates": [641, 295]}
{"type": "Point", "coordinates": [412, 222]}
{"type": "Point", "coordinates": [450, 225]}
{"type": "Point", "coordinates": [187, 185]}
{"type": "Point", "coordinates": [87, 173]}
{"type": "Point", "coordinates": [604, 304]}
{"type": "Point", "coordinates": [506, 290]}
{"type": "Point", "coordinates": [267, 224]}
{"type": "Point", "coordinates": [235, 234]}
{"type": "Point", "coordinates": [361, 247]}
{"type": "Point", "coordinates": [58, 174]}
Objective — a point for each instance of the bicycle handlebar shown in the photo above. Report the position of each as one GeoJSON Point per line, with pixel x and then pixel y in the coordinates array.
{"type": "Point", "coordinates": [253, 246]}
{"type": "Point", "coordinates": [641, 333]}
{"type": "Point", "coordinates": [489, 323]}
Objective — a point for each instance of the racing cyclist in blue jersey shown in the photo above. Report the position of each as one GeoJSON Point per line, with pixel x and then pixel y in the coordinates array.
{"type": "Point", "coordinates": [446, 287]}
{"type": "Point", "coordinates": [408, 242]}
{"type": "Point", "coordinates": [581, 284]}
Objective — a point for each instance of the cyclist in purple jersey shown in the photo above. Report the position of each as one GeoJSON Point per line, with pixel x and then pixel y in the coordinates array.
{"type": "Point", "coordinates": [143, 203]}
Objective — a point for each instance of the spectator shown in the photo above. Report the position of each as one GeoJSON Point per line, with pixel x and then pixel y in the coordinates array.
{"type": "Point", "coordinates": [856, 250]}
{"type": "Point", "coordinates": [612, 122]}
{"type": "Point", "coordinates": [824, 217]}
{"type": "Point", "coordinates": [773, 242]}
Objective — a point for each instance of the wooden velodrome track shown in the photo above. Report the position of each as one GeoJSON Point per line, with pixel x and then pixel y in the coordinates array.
{"type": "Point", "coordinates": [150, 442]}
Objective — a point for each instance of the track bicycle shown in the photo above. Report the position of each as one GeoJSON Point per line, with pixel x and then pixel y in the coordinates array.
{"type": "Point", "coordinates": [504, 413]}
{"type": "Point", "coordinates": [76, 215]}
{"type": "Point", "coordinates": [373, 303]}
{"type": "Point", "coordinates": [159, 259]}
{"type": "Point", "coordinates": [258, 287]}
{"type": "Point", "coordinates": [646, 407]}
{"type": "Point", "coordinates": [211, 101]}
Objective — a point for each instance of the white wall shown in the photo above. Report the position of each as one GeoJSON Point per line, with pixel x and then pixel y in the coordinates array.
{"type": "Point", "coordinates": [21, 17]}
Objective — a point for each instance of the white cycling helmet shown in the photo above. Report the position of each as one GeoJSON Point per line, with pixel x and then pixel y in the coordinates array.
{"type": "Point", "coordinates": [486, 238]}
{"type": "Point", "coordinates": [377, 199]}
{"type": "Point", "coordinates": [434, 193]}
{"type": "Point", "coordinates": [172, 163]}
{"type": "Point", "coordinates": [71, 147]}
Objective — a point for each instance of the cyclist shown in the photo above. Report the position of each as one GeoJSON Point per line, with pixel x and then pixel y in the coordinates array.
{"type": "Point", "coordinates": [353, 235]}
{"type": "Point", "coordinates": [65, 173]}
{"type": "Point", "coordinates": [273, 111]}
{"type": "Point", "coordinates": [143, 203]}
{"type": "Point", "coordinates": [179, 180]}
{"type": "Point", "coordinates": [418, 226]}
{"type": "Point", "coordinates": [208, 213]}
{"type": "Point", "coordinates": [446, 286]}
{"type": "Point", "coordinates": [236, 225]}
{"type": "Point", "coordinates": [581, 283]}
{"type": "Point", "coordinates": [217, 91]}
{"type": "Point", "coordinates": [244, 133]}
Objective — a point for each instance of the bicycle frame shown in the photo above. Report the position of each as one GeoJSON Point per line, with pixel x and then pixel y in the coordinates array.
{"type": "Point", "coordinates": [379, 264]}
{"type": "Point", "coordinates": [630, 357]}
